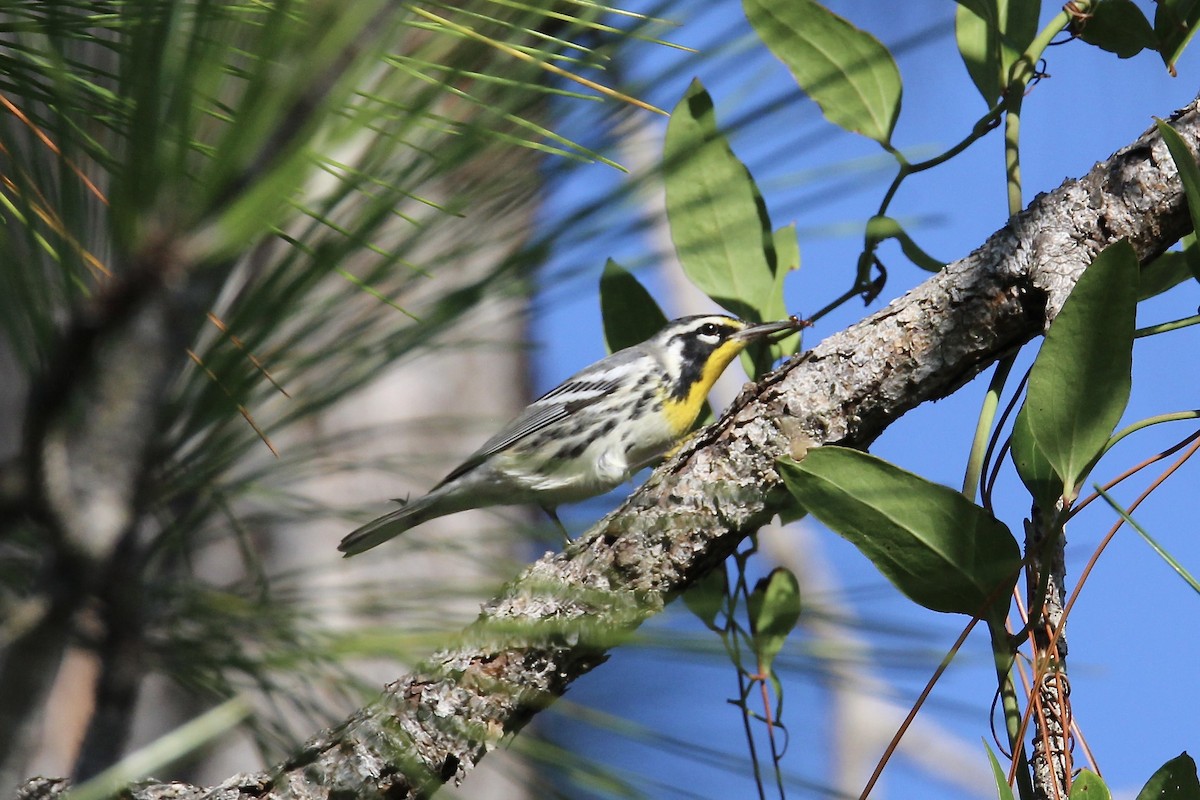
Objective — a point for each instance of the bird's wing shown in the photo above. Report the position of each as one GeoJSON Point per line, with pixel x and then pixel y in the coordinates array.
{"type": "Point", "coordinates": [577, 392]}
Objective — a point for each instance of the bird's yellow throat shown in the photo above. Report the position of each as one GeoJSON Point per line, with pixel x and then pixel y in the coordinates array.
{"type": "Point", "coordinates": [681, 412]}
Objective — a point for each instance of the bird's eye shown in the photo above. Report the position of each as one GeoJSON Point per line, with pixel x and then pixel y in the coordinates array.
{"type": "Point", "coordinates": [708, 329]}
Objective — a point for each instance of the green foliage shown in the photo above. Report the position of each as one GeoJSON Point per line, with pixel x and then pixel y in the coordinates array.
{"type": "Point", "coordinates": [774, 609]}
{"type": "Point", "coordinates": [1087, 785]}
{"type": "Point", "coordinates": [1080, 382]}
{"type": "Point", "coordinates": [1189, 172]}
{"type": "Point", "coordinates": [1170, 269]}
{"type": "Point", "coordinates": [992, 37]}
{"type": "Point", "coordinates": [934, 545]}
{"type": "Point", "coordinates": [1162, 552]}
{"type": "Point", "coordinates": [629, 312]}
{"type": "Point", "coordinates": [758, 359]}
{"type": "Point", "coordinates": [287, 154]}
{"type": "Point", "coordinates": [1174, 780]}
{"type": "Point", "coordinates": [719, 223]}
{"type": "Point", "coordinates": [880, 229]}
{"type": "Point", "coordinates": [846, 71]}
{"type": "Point", "coordinates": [721, 228]}
{"type": "Point", "coordinates": [275, 164]}
{"type": "Point", "coordinates": [706, 597]}
{"type": "Point", "coordinates": [1003, 790]}
{"type": "Point", "coordinates": [1117, 26]}
{"type": "Point", "coordinates": [1175, 24]}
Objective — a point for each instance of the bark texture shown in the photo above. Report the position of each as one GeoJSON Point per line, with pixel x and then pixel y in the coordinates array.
{"type": "Point", "coordinates": [557, 620]}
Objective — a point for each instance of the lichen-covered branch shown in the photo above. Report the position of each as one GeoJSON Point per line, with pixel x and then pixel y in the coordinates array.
{"type": "Point", "coordinates": [556, 621]}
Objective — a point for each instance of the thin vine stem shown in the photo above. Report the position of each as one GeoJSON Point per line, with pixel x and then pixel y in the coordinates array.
{"type": "Point", "coordinates": [981, 445]}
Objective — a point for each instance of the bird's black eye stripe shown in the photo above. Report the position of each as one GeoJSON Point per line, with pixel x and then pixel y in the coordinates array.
{"type": "Point", "coordinates": [715, 329]}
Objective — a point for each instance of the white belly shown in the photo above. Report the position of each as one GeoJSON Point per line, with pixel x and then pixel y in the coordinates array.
{"type": "Point", "coordinates": [604, 465]}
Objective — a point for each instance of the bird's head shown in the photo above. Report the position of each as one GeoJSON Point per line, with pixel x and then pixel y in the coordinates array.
{"type": "Point", "coordinates": [696, 350]}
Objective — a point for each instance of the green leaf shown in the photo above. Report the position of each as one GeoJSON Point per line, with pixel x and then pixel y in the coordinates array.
{"type": "Point", "coordinates": [1117, 26]}
{"type": "Point", "coordinates": [1163, 553]}
{"type": "Point", "coordinates": [992, 35]}
{"type": "Point", "coordinates": [1174, 780]}
{"type": "Point", "coordinates": [880, 229]}
{"type": "Point", "coordinates": [1003, 790]}
{"type": "Point", "coordinates": [984, 9]}
{"type": "Point", "coordinates": [1079, 384]}
{"type": "Point", "coordinates": [787, 260]}
{"type": "Point", "coordinates": [1087, 785]}
{"type": "Point", "coordinates": [975, 38]}
{"type": "Point", "coordinates": [706, 597]}
{"type": "Point", "coordinates": [1174, 24]}
{"type": "Point", "coordinates": [1033, 464]}
{"type": "Point", "coordinates": [937, 547]}
{"type": "Point", "coordinates": [846, 71]}
{"type": "Point", "coordinates": [1169, 270]}
{"type": "Point", "coordinates": [630, 314]}
{"type": "Point", "coordinates": [760, 356]}
{"type": "Point", "coordinates": [1189, 172]}
{"type": "Point", "coordinates": [718, 220]}
{"type": "Point", "coordinates": [774, 609]}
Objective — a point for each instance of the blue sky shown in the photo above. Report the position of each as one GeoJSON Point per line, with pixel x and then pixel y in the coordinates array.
{"type": "Point", "coordinates": [1133, 647]}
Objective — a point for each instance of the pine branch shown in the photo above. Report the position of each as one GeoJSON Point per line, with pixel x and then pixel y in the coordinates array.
{"type": "Point", "coordinates": [557, 620]}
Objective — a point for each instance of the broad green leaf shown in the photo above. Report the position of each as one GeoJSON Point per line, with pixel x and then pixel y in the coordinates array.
{"type": "Point", "coordinates": [774, 609]}
{"type": "Point", "coordinates": [1117, 26]}
{"type": "Point", "coordinates": [630, 314]}
{"type": "Point", "coordinates": [1191, 252]}
{"type": "Point", "coordinates": [1087, 785]}
{"type": "Point", "coordinates": [1189, 172]}
{"type": "Point", "coordinates": [1019, 19]}
{"type": "Point", "coordinates": [1174, 780]}
{"type": "Point", "coordinates": [1034, 466]}
{"type": "Point", "coordinates": [787, 260]}
{"type": "Point", "coordinates": [759, 357]}
{"type": "Point", "coordinates": [880, 229]}
{"type": "Point", "coordinates": [984, 9]}
{"type": "Point", "coordinates": [976, 39]}
{"type": "Point", "coordinates": [718, 220]}
{"type": "Point", "coordinates": [991, 42]}
{"type": "Point", "coordinates": [1079, 384]}
{"type": "Point", "coordinates": [1168, 271]}
{"type": "Point", "coordinates": [846, 71]}
{"type": "Point", "coordinates": [937, 547]}
{"type": "Point", "coordinates": [1175, 24]}
{"type": "Point", "coordinates": [1003, 790]}
{"type": "Point", "coordinates": [706, 597]}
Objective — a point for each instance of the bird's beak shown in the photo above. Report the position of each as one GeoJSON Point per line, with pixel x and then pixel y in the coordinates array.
{"type": "Point", "coordinates": [768, 328]}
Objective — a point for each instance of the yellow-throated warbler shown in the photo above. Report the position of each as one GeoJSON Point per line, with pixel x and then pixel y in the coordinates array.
{"type": "Point", "coordinates": [587, 435]}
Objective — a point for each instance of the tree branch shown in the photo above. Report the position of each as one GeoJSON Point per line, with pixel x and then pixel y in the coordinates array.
{"type": "Point", "coordinates": [557, 620]}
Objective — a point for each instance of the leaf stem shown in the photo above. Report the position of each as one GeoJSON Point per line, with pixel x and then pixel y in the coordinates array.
{"type": "Point", "coordinates": [1164, 327]}
{"type": "Point", "coordinates": [1175, 416]}
{"type": "Point", "coordinates": [1002, 654]}
{"type": "Point", "coordinates": [976, 460]}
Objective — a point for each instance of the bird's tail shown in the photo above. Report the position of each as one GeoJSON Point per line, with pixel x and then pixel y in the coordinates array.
{"type": "Point", "coordinates": [378, 531]}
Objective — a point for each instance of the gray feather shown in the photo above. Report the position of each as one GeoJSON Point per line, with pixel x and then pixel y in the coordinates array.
{"type": "Point", "coordinates": [389, 526]}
